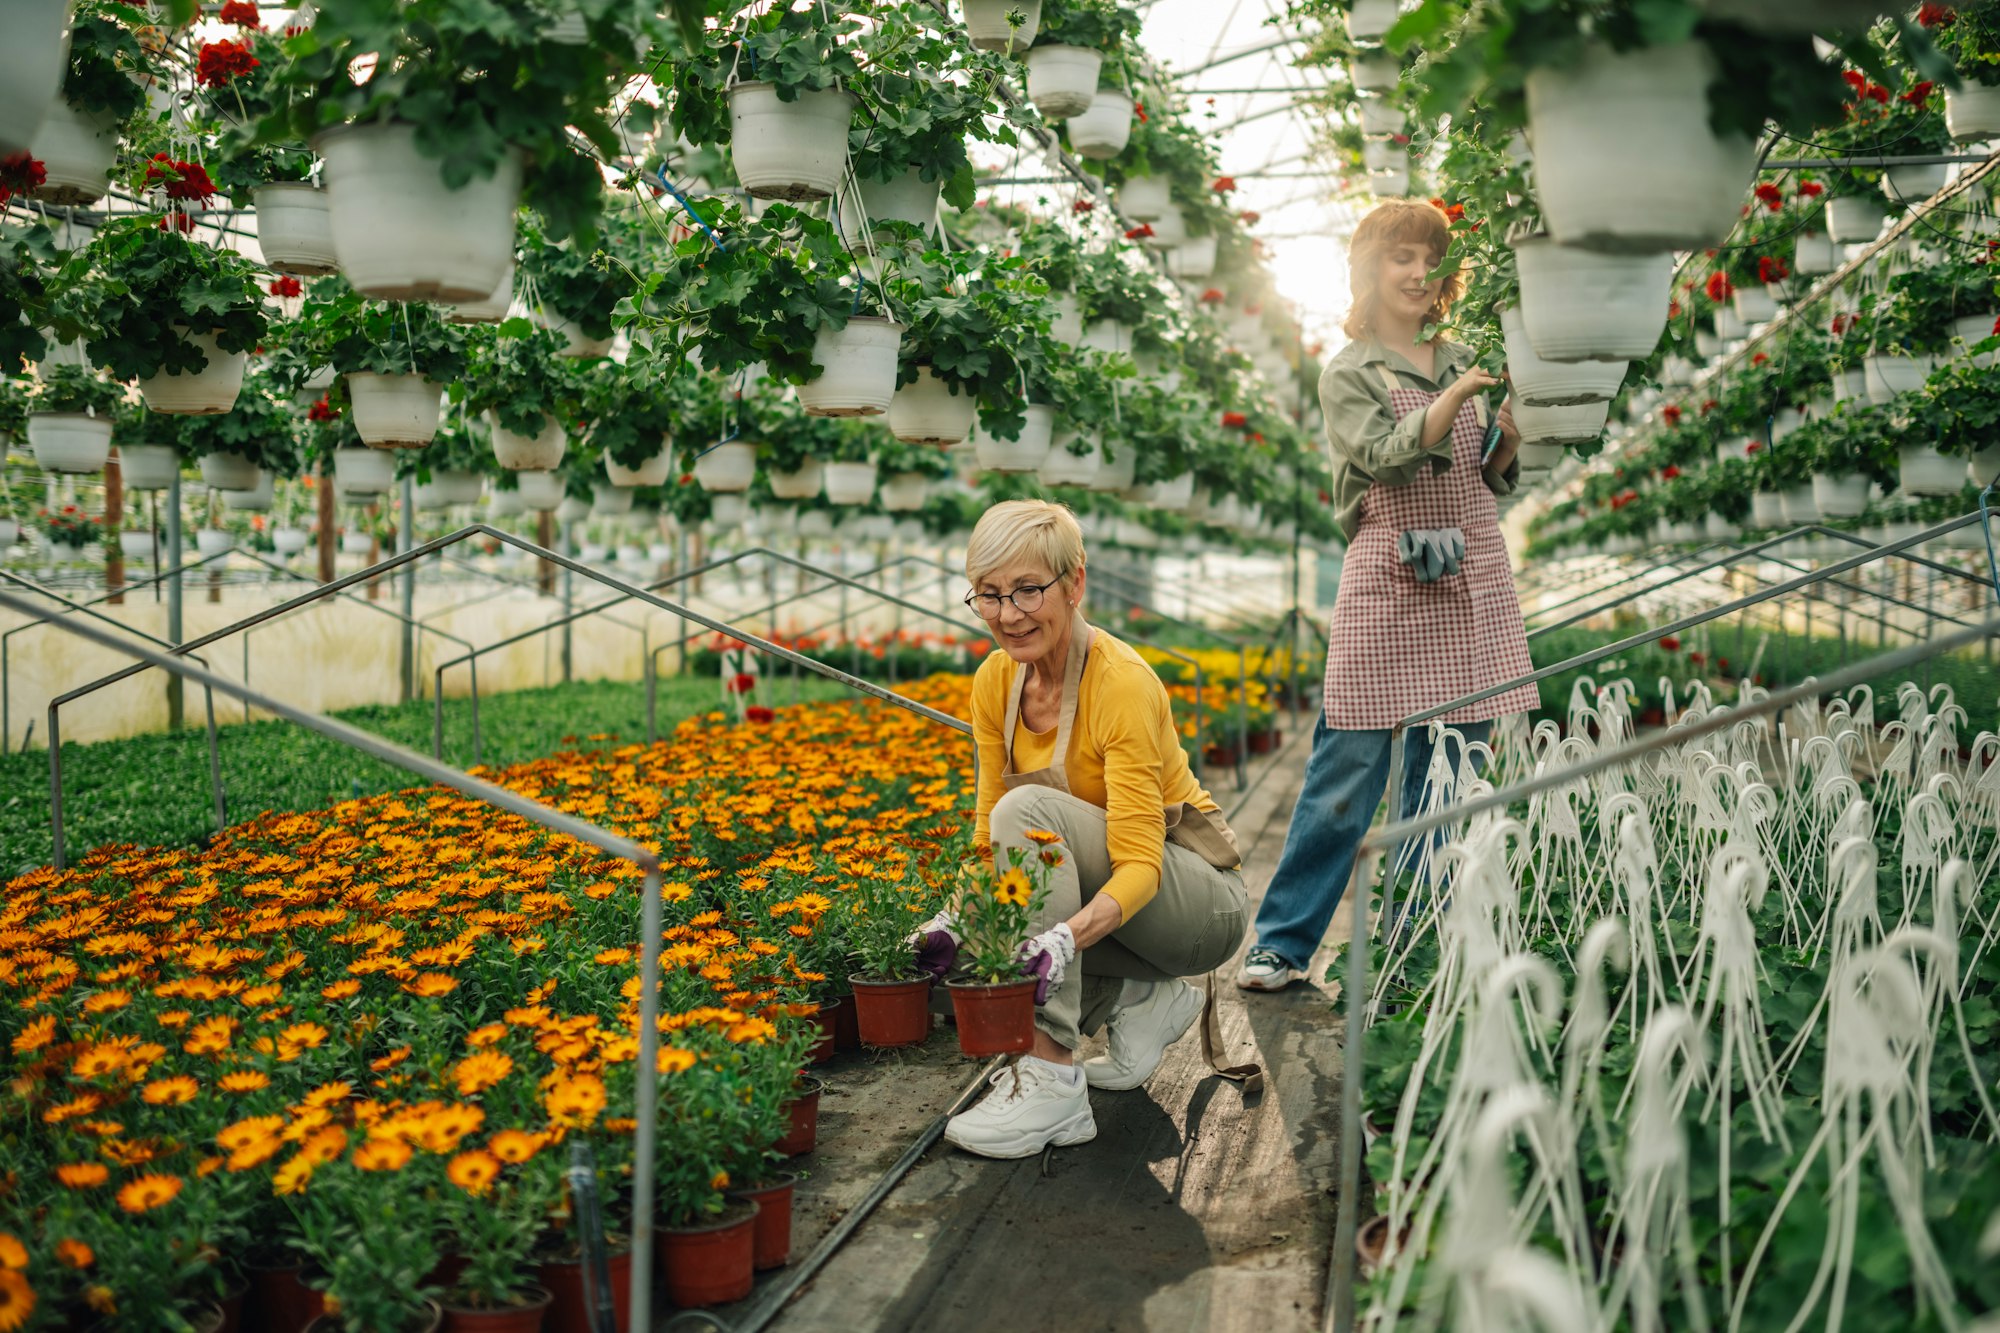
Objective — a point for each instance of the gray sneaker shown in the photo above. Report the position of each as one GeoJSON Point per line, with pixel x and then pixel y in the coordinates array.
{"type": "Point", "coordinates": [1265, 970]}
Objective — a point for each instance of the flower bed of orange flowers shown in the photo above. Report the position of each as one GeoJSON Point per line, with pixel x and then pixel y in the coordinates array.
{"type": "Point", "coordinates": [363, 1037]}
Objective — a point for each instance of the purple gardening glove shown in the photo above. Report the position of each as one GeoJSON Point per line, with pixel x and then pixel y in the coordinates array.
{"type": "Point", "coordinates": [936, 943]}
{"type": "Point", "coordinates": [1045, 956]}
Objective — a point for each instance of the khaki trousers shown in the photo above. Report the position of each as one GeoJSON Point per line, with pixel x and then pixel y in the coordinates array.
{"type": "Point", "coordinates": [1192, 925]}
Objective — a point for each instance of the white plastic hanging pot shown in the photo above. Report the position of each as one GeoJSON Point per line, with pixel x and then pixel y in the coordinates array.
{"type": "Point", "coordinates": [1984, 466]}
{"type": "Point", "coordinates": [1169, 230]}
{"type": "Point", "coordinates": [1925, 471]}
{"type": "Point", "coordinates": [906, 198]}
{"type": "Point", "coordinates": [850, 483]}
{"type": "Point", "coordinates": [529, 453]}
{"type": "Point", "coordinates": [295, 228]}
{"type": "Point", "coordinates": [927, 411]}
{"type": "Point", "coordinates": [1023, 453]}
{"type": "Point", "coordinates": [1728, 327]}
{"type": "Point", "coordinates": [429, 495]}
{"type": "Point", "coordinates": [1382, 117]}
{"type": "Point", "coordinates": [577, 344]}
{"type": "Point", "coordinates": [33, 61]}
{"type": "Point", "coordinates": [1108, 335]}
{"type": "Point", "coordinates": [1389, 184]}
{"type": "Point", "coordinates": [395, 411]}
{"type": "Point", "coordinates": [858, 369]}
{"type": "Point", "coordinates": [539, 489]}
{"type": "Point", "coordinates": [147, 467]}
{"type": "Point", "coordinates": [367, 471]}
{"type": "Point", "coordinates": [400, 233]}
{"type": "Point", "coordinates": [1062, 79]}
{"type": "Point", "coordinates": [1063, 468]}
{"type": "Point", "coordinates": [1625, 158]}
{"type": "Point", "coordinates": [1384, 155]}
{"type": "Point", "coordinates": [206, 392]}
{"type": "Point", "coordinates": [1854, 219]}
{"type": "Point", "coordinates": [653, 472]}
{"type": "Point", "coordinates": [803, 483]}
{"type": "Point", "coordinates": [1972, 112]}
{"type": "Point", "coordinates": [1066, 319]}
{"type": "Point", "coordinates": [356, 543]}
{"type": "Point", "coordinates": [1194, 260]}
{"type": "Point", "coordinates": [1706, 346]}
{"type": "Point", "coordinates": [1369, 19]}
{"type": "Point", "coordinates": [1175, 496]}
{"type": "Point", "coordinates": [289, 541]}
{"type": "Point", "coordinates": [1719, 529]}
{"type": "Point", "coordinates": [796, 150]}
{"type": "Point", "coordinates": [1889, 374]}
{"type": "Point", "coordinates": [1972, 330]}
{"type": "Point", "coordinates": [1849, 385]}
{"type": "Point", "coordinates": [727, 468]}
{"type": "Point", "coordinates": [1543, 383]}
{"type": "Point", "coordinates": [1914, 184]}
{"type": "Point", "coordinates": [608, 501]}
{"type": "Point", "coordinates": [1577, 423]}
{"type": "Point", "coordinates": [1767, 509]}
{"type": "Point", "coordinates": [1116, 474]}
{"type": "Point", "coordinates": [209, 542]}
{"type": "Point", "coordinates": [1375, 73]}
{"type": "Point", "coordinates": [1536, 456]}
{"type": "Point", "coordinates": [1838, 496]}
{"type": "Point", "coordinates": [505, 504]}
{"type": "Point", "coordinates": [986, 23]}
{"type": "Point", "coordinates": [1785, 421]}
{"type": "Point", "coordinates": [227, 472]}
{"type": "Point", "coordinates": [1102, 129]}
{"type": "Point", "coordinates": [816, 524]}
{"type": "Point", "coordinates": [1814, 253]}
{"type": "Point", "coordinates": [1145, 198]}
{"type": "Point", "coordinates": [1754, 305]}
{"type": "Point", "coordinates": [488, 309]}
{"type": "Point", "coordinates": [904, 492]}
{"type": "Point", "coordinates": [76, 148]}
{"type": "Point", "coordinates": [572, 510]}
{"type": "Point", "coordinates": [259, 498]}
{"type": "Point", "coordinates": [1580, 305]}
{"type": "Point", "coordinates": [457, 485]}
{"type": "Point", "coordinates": [1798, 505]}
{"type": "Point", "coordinates": [69, 441]}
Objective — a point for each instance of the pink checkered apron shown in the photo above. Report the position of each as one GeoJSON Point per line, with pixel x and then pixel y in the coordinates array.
{"type": "Point", "coordinates": [1399, 646]}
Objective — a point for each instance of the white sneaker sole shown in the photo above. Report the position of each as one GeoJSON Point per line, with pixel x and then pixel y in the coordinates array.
{"type": "Point", "coordinates": [1101, 1073]}
{"type": "Point", "coordinates": [1079, 1128]}
{"type": "Point", "coordinates": [1277, 981]}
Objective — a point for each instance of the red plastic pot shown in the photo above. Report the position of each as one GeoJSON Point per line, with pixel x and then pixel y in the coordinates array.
{"type": "Point", "coordinates": [774, 1219]}
{"type": "Point", "coordinates": [231, 1305]}
{"type": "Point", "coordinates": [892, 1013]}
{"type": "Point", "coordinates": [523, 1318]}
{"type": "Point", "coordinates": [847, 1025]}
{"type": "Point", "coordinates": [827, 1023]}
{"type": "Point", "coordinates": [994, 1020]}
{"type": "Point", "coordinates": [1222, 756]}
{"type": "Point", "coordinates": [712, 1264]}
{"type": "Point", "coordinates": [569, 1307]}
{"type": "Point", "coordinates": [803, 1112]}
{"type": "Point", "coordinates": [1264, 742]}
{"type": "Point", "coordinates": [279, 1301]}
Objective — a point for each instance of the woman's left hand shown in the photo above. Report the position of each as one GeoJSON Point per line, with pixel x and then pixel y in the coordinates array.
{"type": "Point", "coordinates": [1510, 439]}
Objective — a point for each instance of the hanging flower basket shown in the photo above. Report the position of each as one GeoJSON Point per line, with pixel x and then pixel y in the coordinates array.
{"type": "Point", "coordinates": [795, 151]}
{"type": "Point", "coordinates": [1799, 505]}
{"type": "Point", "coordinates": [1813, 253]}
{"type": "Point", "coordinates": [1854, 220]}
{"type": "Point", "coordinates": [1023, 453]}
{"type": "Point", "coordinates": [609, 501]}
{"type": "Point", "coordinates": [1767, 509]}
{"type": "Point", "coordinates": [1888, 374]}
{"type": "Point", "coordinates": [1060, 467]}
{"type": "Point", "coordinates": [1625, 157]}
{"type": "Point", "coordinates": [653, 472]}
{"type": "Point", "coordinates": [1145, 198]}
{"type": "Point", "coordinates": [727, 468]}
{"type": "Point", "coordinates": [289, 541]}
{"type": "Point", "coordinates": [1175, 496]}
{"type": "Point", "coordinates": [905, 492]}
{"type": "Point", "coordinates": [802, 483]}
{"type": "Point", "coordinates": [1195, 260]}
{"type": "Point", "coordinates": [1066, 321]}
{"type": "Point", "coordinates": [147, 467]}
{"type": "Point", "coordinates": [295, 228]}
{"type": "Point", "coordinates": [209, 391]}
{"type": "Point", "coordinates": [1101, 130]}
{"type": "Point", "coordinates": [1755, 305]}
{"type": "Point", "coordinates": [1925, 471]}
{"type": "Point", "coordinates": [1789, 16]}
{"type": "Point", "coordinates": [994, 1019]}
{"type": "Point", "coordinates": [259, 498]}
{"type": "Point", "coordinates": [401, 234]}
{"type": "Point", "coordinates": [1382, 118]}
{"type": "Point", "coordinates": [539, 490]}
{"type": "Point", "coordinates": [76, 148]}
{"type": "Point", "coordinates": [1537, 456]}
{"type": "Point", "coordinates": [1984, 466]}
{"type": "Point", "coordinates": [533, 453]}
{"type": "Point", "coordinates": [33, 62]}
{"type": "Point", "coordinates": [1968, 331]}
{"type": "Point", "coordinates": [1578, 423]}
{"type": "Point", "coordinates": [73, 442]}
{"type": "Point", "coordinates": [727, 512]}
{"type": "Point", "coordinates": [222, 471]}
{"type": "Point", "coordinates": [488, 309]}
{"type": "Point", "coordinates": [986, 23]}
{"type": "Point", "coordinates": [1541, 383]}
{"type": "Point", "coordinates": [211, 542]}
{"type": "Point", "coordinates": [850, 483]}
{"type": "Point", "coordinates": [1369, 19]}
{"type": "Point", "coordinates": [1972, 113]}
{"type": "Point", "coordinates": [395, 411]}
{"type": "Point", "coordinates": [926, 411]}
{"type": "Point", "coordinates": [364, 471]}
{"type": "Point", "coordinates": [1840, 496]}
{"type": "Point", "coordinates": [1580, 305]}
{"type": "Point", "coordinates": [1107, 335]}
{"type": "Point", "coordinates": [858, 365]}
{"type": "Point", "coordinates": [1062, 80]}
{"type": "Point", "coordinates": [907, 198]}
{"type": "Point", "coordinates": [1914, 184]}
{"type": "Point", "coordinates": [1375, 73]}
{"type": "Point", "coordinates": [577, 344]}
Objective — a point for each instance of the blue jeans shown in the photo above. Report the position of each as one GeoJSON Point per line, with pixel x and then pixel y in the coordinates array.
{"type": "Point", "coordinates": [1346, 776]}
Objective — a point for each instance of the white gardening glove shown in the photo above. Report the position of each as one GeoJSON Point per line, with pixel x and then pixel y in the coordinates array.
{"type": "Point", "coordinates": [1046, 956]}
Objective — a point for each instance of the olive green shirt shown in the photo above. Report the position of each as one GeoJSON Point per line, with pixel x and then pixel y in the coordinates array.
{"type": "Point", "coordinates": [1365, 441]}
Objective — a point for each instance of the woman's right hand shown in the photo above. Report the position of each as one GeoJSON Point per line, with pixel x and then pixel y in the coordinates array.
{"type": "Point", "coordinates": [1473, 381]}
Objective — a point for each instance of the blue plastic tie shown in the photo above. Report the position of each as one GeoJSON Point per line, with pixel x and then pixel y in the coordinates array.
{"type": "Point", "coordinates": [689, 208]}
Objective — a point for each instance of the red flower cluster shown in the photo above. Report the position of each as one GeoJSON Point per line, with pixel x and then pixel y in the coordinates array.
{"type": "Point", "coordinates": [1223, 184]}
{"type": "Point", "coordinates": [1933, 15]}
{"type": "Point", "coordinates": [1719, 287]}
{"type": "Point", "coordinates": [1082, 206]}
{"type": "Point", "coordinates": [177, 221]}
{"type": "Point", "coordinates": [1249, 217]}
{"type": "Point", "coordinates": [1212, 296]}
{"type": "Point", "coordinates": [285, 286]}
{"type": "Point", "coordinates": [1674, 309]}
{"type": "Point", "coordinates": [1671, 414]}
{"type": "Point", "coordinates": [1696, 659]}
{"type": "Point", "coordinates": [759, 714]}
{"type": "Point", "coordinates": [1139, 110]}
{"type": "Point", "coordinates": [1623, 498]}
{"type": "Point", "coordinates": [242, 13]}
{"type": "Point", "coordinates": [1864, 91]}
{"type": "Point", "coordinates": [322, 411]}
{"type": "Point", "coordinates": [1669, 473]}
{"type": "Point", "coordinates": [1709, 406]}
{"type": "Point", "coordinates": [219, 62]}
{"type": "Point", "coordinates": [1235, 420]}
{"type": "Point", "coordinates": [1811, 189]}
{"type": "Point", "coordinates": [1843, 323]}
{"type": "Point", "coordinates": [20, 174]}
{"type": "Point", "coordinates": [1996, 328]}
{"type": "Point", "coordinates": [1771, 268]}
{"type": "Point", "coordinates": [1140, 232]}
{"type": "Point", "coordinates": [1759, 359]}
{"type": "Point", "coordinates": [740, 683]}
{"type": "Point", "coordinates": [182, 182]}
{"type": "Point", "coordinates": [1452, 212]}
{"type": "Point", "coordinates": [1919, 95]}
{"type": "Point", "coordinates": [1772, 197]}
{"type": "Point", "coordinates": [1671, 644]}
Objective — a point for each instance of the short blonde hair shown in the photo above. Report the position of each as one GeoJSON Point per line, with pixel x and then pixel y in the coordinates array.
{"type": "Point", "coordinates": [1036, 530]}
{"type": "Point", "coordinates": [1388, 225]}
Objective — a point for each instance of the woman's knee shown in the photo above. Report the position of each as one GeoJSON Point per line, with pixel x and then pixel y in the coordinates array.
{"type": "Point", "coordinates": [1026, 808]}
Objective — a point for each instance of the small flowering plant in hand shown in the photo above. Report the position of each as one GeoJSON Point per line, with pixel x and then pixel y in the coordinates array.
{"type": "Point", "coordinates": [994, 909]}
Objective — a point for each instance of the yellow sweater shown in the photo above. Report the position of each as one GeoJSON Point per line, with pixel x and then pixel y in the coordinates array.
{"type": "Point", "coordinates": [1124, 757]}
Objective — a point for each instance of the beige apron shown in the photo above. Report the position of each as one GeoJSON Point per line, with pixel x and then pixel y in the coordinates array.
{"type": "Point", "coordinates": [1200, 831]}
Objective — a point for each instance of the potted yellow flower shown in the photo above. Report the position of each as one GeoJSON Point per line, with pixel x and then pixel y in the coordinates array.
{"type": "Point", "coordinates": [994, 1003]}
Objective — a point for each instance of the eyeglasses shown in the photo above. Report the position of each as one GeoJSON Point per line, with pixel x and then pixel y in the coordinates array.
{"type": "Point", "coordinates": [1027, 599]}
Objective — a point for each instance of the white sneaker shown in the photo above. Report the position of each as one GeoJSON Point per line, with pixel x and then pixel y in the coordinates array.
{"type": "Point", "coordinates": [1032, 1105]}
{"type": "Point", "coordinates": [1264, 970]}
{"type": "Point", "coordinates": [1141, 1033]}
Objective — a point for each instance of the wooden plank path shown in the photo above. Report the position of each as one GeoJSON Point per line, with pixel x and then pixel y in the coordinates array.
{"type": "Point", "coordinates": [1194, 1208]}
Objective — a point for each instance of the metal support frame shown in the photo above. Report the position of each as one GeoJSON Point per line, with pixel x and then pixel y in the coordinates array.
{"type": "Point", "coordinates": [1341, 1312]}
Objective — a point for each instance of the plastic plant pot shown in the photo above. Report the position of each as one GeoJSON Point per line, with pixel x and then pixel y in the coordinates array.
{"type": "Point", "coordinates": [892, 1013]}
{"type": "Point", "coordinates": [994, 1019]}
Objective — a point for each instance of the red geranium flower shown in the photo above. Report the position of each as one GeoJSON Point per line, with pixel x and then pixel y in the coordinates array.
{"type": "Point", "coordinates": [1673, 310]}
{"type": "Point", "coordinates": [177, 221]}
{"type": "Point", "coordinates": [1671, 414]}
{"type": "Point", "coordinates": [1720, 288]}
{"type": "Point", "coordinates": [1759, 359]}
{"type": "Point", "coordinates": [1770, 268]}
{"type": "Point", "coordinates": [242, 13]}
{"type": "Point", "coordinates": [1235, 420]}
{"type": "Point", "coordinates": [1920, 94]}
{"type": "Point", "coordinates": [1933, 15]}
{"type": "Point", "coordinates": [1671, 644]}
{"type": "Point", "coordinates": [1773, 197]}
{"type": "Point", "coordinates": [1212, 296]}
{"type": "Point", "coordinates": [1696, 659]}
{"type": "Point", "coordinates": [20, 174]}
{"type": "Point", "coordinates": [1996, 328]}
{"type": "Point", "coordinates": [1082, 206]}
{"type": "Point", "coordinates": [1811, 189]}
{"type": "Point", "coordinates": [322, 411]}
{"type": "Point", "coordinates": [1249, 217]}
{"type": "Point", "coordinates": [183, 182]}
{"type": "Point", "coordinates": [1223, 184]}
{"type": "Point", "coordinates": [760, 714]}
{"type": "Point", "coordinates": [1877, 93]}
{"type": "Point", "coordinates": [286, 285]}
{"type": "Point", "coordinates": [1709, 406]}
{"type": "Point", "coordinates": [1140, 232]}
{"type": "Point", "coordinates": [740, 683]}
{"type": "Point", "coordinates": [1669, 472]}
{"type": "Point", "coordinates": [219, 62]}
{"type": "Point", "coordinates": [1139, 110]}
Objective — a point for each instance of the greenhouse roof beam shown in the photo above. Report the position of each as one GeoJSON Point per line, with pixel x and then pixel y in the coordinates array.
{"type": "Point", "coordinates": [1911, 160]}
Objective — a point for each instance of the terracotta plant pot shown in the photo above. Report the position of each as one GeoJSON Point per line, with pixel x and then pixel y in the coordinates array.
{"type": "Point", "coordinates": [523, 1318]}
{"type": "Point", "coordinates": [847, 1025]}
{"type": "Point", "coordinates": [569, 1306]}
{"type": "Point", "coordinates": [1263, 742]}
{"type": "Point", "coordinates": [774, 1219]}
{"type": "Point", "coordinates": [279, 1301]}
{"type": "Point", "coordinates": [231, 1305]}
{"type": "Point", "coordinates": [994, 1019]}
{"type": "Point", "coordinates": [827, 1021]}
{"type": "Point", "coordinates": [711, 1264]}
{"type": "Point", "coordinates": [1222, 756]}
{"type": "Point", "coordinates": [804, 1113]}
{"type": "Point", "coordinates": [892, 1013]}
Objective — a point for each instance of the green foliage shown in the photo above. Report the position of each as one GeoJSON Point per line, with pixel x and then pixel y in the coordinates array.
{"type": "Point", "coordinates": [137, 290]}
{"type": "Point", "coordinates": [519, 375]}
{"type": "Point", "coordinates": [995, 911]}
{"type": "Point", "coordinates": [387, 338]}
{"type": "Point", "coordinates": [27, 259]}
{"type": "Point", "coordinates": [981, 323]}
{"type": "Point", "coordinates": [1972, 40]}
{"type": "Point", "coordinates": [926, 95]}
{"type": "Point", "coordinates": [262, 426]}
{"type": "Point", "coordinates": [1097, 25]}
{"type": "Point", "coordinates": [75, 389]}
{"type": "Point", "coordinates": [103, 57]}
{"type": "Point", "coordinates": [1960, 407]}
{"type": "Point", "coordinates": [574, 284]}
{"type": "Point", "coordinates": [797, 50]}
{"type": "Point", "coordinates": [632, 408]}
{"type": "Point", "coordinates": [884, 912]}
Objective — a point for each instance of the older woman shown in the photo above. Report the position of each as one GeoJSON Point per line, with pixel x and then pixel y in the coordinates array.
{"type": "Point", "coordinates": [1075, 737]}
